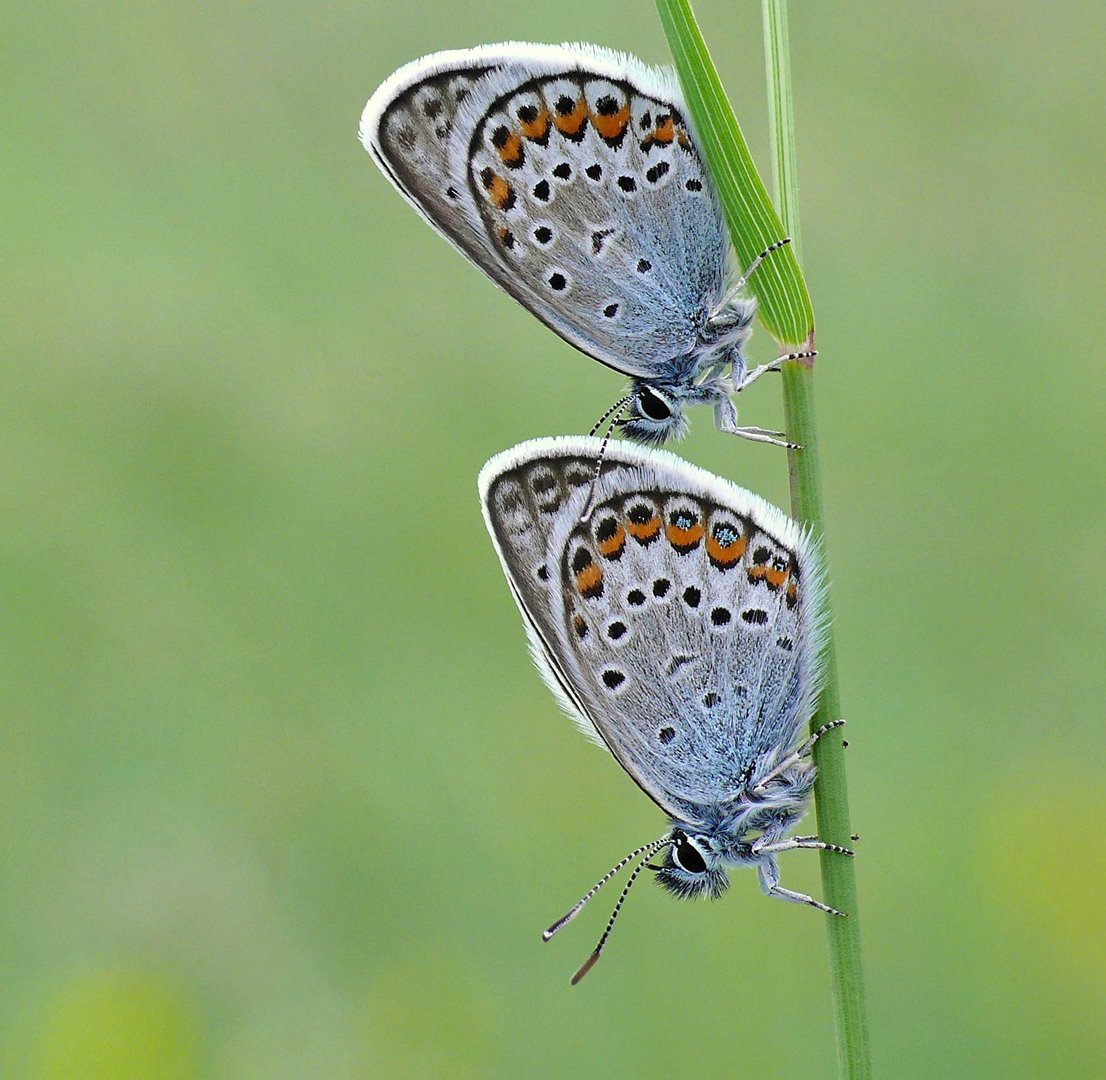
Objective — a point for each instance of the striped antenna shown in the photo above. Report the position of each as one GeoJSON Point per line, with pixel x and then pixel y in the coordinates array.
{"type": "Point", "coordinates": [620, 406]}
{"type": "Point", "coordinates": [589, 963]}
{"type": "Point", "coordinates": [564, 920]}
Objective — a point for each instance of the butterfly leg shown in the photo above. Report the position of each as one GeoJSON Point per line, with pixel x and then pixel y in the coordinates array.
{"type": "Point", "coordinates": [802, 898]}
{"type": "Point", "coordinates": [795, 757]}
{"type": "Point", "coordinates": [793, 843]}
{"type": "Point", "coordinates": [770, 883]}
{"type": "Point", "coordinates": [775, 246]}
{"type": "Point", "coordinates": [763, 431]}
{"type": "Point", "coordinates": [725, 419]}
{"type": "Point", "coordinates": [751, 377]}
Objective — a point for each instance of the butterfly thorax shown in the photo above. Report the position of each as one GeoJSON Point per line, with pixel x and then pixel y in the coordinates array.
{"type": "Point", "coordinates": [705, 375]}
{"type": "Point", "coordinates": [725, 333]}
{"type": "Point", "coordinates": [728, 836]}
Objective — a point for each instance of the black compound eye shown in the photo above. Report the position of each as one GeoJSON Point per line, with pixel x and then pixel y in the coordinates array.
{"type": "Point", "coordinates": [686, 855]}
{"type": "Point", "coordinates": [652, 405]}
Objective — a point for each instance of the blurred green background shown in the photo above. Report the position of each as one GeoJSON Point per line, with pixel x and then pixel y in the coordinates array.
{"type": "Point", "coordinates": [282, 795]}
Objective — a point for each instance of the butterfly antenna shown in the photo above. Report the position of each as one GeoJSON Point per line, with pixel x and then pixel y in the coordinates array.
{"type": "Point", "coordinates": [744, 279]}
{"type": "Point", "coordinates": [589, 963]}
{"type": "Point", "coordinates": [651, 849]}
{"type": "Point", "coordinates": [620, 406]}
{"type": "Point", "coordinates": [617, 405]}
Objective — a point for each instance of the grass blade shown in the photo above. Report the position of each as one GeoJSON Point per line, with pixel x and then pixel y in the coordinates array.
{"type": "Point", "coordinates": [778, 284]}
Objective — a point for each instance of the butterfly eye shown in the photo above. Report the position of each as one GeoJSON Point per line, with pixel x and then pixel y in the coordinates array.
{"type": "Point", "coordinates": [686, 856]}
{"type": "Point", "coordinates": [652, 405]}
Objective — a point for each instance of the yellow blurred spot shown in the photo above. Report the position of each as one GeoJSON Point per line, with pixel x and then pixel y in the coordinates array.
{"type": "Point", "coordinates": [119, 1024]}
{"type": "Point", "coordinates": [1047, 863]}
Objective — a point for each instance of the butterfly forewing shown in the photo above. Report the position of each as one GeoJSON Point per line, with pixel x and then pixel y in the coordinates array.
{"type": "Point", "coordinates": [541, 163]}
{"type": "Point", "coordinates": [681, 619]}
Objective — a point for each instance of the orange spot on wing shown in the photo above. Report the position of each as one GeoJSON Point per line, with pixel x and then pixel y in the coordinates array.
{"type": "Point", "coordinates": [510, 153]}
{"type": "Point", "coordinates": [775, 578]}
{"type": "Point", "coordinates": [610, 127]}
{"type": "Point", "coordinates": [684, 539]}
{"type": "Point", "coordinates": [499, 191]}
{"type": "Point", "coordinates": [665, 131]}
{"type": "Point", "coordinates": [614, 544]}
{"type": "Point", "coordinates": [772, 577]}
{"type": "Point", "coordinates": [537, 128]}
{"type": "Point", "coordinates": [590, 580]}
{"type": "Point", "coordinates": [792, 594]}
{"type": "Point", "coordinates": [646, 530]}
{"type": "Point", "coordinates": [571, 123]}
{"type": "Point", "coordinates": [726, 555]}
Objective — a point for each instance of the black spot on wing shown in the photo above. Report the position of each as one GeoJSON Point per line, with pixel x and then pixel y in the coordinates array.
{"type": "Point", "coordinates": [599, 238]}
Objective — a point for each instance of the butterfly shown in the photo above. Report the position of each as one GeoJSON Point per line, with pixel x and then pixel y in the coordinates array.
{"type": "Point", "coordinates": [570, 175]}
{"type": "Point", "coordinates": [682, 628]}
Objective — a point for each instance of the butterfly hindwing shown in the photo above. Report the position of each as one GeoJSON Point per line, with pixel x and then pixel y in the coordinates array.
{"type": "Point", "coordinates": [524, 501]}
{"type": "Point", "coordinates": [410, 127]}
{"type": "Point", "coordinates": [570, 176]}
{"type": "Point", "coordinates": [681, 620]}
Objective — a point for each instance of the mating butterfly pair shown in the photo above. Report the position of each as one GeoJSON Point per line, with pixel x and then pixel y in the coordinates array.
{"type": "Point", "coordinates": [676, 616]}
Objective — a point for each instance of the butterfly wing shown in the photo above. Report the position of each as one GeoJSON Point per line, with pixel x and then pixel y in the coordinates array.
{"type": "Point", "coordinates": [680, 623]}
{"type": "Point", "coordinates": [570, 176]}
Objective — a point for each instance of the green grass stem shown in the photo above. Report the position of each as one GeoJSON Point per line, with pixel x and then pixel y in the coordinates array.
{"type": "Point", "coordinates": [831, 797]}
{"type": "Point", "coordinates": [789, 318]}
